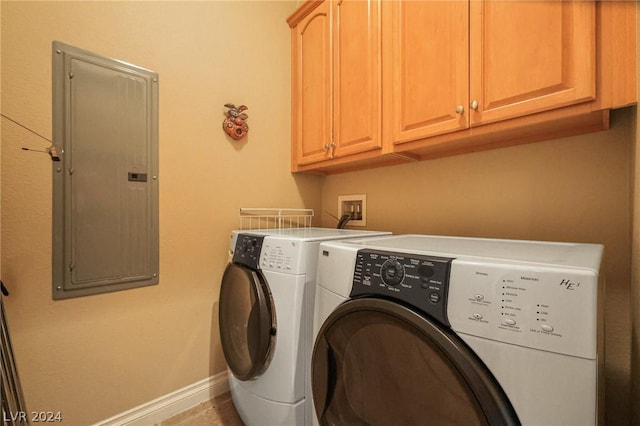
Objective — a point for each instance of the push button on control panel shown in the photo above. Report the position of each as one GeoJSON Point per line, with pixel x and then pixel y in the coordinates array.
{"type": "Point", "coordinates": [547, 328]}
{"type": "Point", "coordinates": [508, 321]}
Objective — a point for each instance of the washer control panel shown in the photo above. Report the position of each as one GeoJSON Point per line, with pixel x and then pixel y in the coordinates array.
{"type": "Point", "coordinates": [247, 250]}
{"type": "Point", "coordinates": [418, 280]}
{"type": "Point", "coordinates": [282, 256]}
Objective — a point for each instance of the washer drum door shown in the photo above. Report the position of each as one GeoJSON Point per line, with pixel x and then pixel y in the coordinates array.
{"type": "Point", "coordinates": [377, 362]}
{"type": "Point", "coordinates": [247, 321]}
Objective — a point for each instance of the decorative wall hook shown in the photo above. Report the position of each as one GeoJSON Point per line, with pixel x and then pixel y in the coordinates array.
{"type": "Point", "coordinates": [234, 124]}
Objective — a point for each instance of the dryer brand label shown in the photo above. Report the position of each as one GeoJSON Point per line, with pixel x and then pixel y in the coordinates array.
{"type": "Point", "coordinates": [569, 285]}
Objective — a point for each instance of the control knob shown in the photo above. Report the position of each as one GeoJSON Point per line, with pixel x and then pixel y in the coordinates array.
{"type": "Point", "coordinates": [426, 271]}
{"type": "Point", "coordinates": [249, 246]}
{"type": "Point", "coordinates": [392, 272]}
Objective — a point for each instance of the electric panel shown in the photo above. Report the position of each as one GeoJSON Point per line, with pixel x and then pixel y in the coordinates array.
{"type": "Point", "coordinates": [105, 188]}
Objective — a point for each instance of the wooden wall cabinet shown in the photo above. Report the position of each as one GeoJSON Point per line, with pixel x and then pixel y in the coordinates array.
{"type": "Point", "coordinates": [336, 74]}
{"type": "Point", "coordinates": [454, 64]}
{"type": "Point", "coordinates": [426, 68]}
{"type": "Point", "coordinates": [455, 77]}
{"type": "Point", "coordinates": [311, 89]}
{"type": "Point", "coordinates": [530, 56]}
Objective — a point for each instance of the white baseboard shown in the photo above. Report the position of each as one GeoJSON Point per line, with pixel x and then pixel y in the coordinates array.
{"type": "Point", "coordinates": [171, 404]}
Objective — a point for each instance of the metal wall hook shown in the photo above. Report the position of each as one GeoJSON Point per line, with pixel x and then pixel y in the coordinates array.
{"type": "Point", "coordinates": [53, 152]}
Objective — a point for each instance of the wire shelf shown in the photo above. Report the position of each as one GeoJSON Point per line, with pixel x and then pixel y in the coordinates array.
{"type": "Point", "coordinates": [266, 218]}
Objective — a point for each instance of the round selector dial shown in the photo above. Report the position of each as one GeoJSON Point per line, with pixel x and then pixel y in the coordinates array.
{"type": "Point", "coordinates": [426, 271]}
{"type": "Point", "coordinates": [249, 246]}
{"type": "Point", "coordinates": [392, 272]}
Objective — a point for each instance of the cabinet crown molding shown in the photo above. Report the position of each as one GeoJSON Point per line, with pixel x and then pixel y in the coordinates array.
{"type": "Point", "coordinates": [302, 11]}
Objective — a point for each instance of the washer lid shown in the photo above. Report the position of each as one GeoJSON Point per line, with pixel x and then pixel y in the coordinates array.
{"type": "Point", "coordinates": [377, 362]}
{"type": "Point", "coordinates": [247, 321]}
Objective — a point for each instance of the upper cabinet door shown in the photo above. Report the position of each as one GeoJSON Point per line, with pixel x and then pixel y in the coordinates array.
{"type": "Point", "coordinates": [426, 68]}
{"type": "Point", "coordinates": [311, 73]}
{"type": "Point", "coordinates": [356, 76]}
{"type": "Point", "coordinates": [530, 56]}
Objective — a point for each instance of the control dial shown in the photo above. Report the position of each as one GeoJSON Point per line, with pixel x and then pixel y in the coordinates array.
{"type": "Point", "coordinates": [426, 271]}
{"type": "Point", "coordinates": [392, 272]}
{"type": "Point", "coordinates": [249, 246]}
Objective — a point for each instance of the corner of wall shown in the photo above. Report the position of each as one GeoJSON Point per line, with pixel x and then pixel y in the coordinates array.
{"type": "Point", "coordinates": [1, 26]}
{"type": "Point", "coordinates": [635, 251]}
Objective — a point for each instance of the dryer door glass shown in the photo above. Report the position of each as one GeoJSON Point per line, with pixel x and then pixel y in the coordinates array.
{"type": "Point", "coordinates": [247, 321]}
{"type": "Point", "coordinates": [376, 362]}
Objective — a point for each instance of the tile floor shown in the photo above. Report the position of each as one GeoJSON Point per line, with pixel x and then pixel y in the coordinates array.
{"type": "Point", "coordinates": [217, 412]}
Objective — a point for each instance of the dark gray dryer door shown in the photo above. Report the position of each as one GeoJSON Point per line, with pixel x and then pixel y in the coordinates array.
{"type": "Point", "coordinates": [376, 362]}
{"type": "Point", "coordinates": [247, 321]}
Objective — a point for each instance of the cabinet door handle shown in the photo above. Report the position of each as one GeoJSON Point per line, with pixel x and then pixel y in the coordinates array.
{"type": "Point", "coordinates": [459, 109]}
{"type": "Point", "coordinates": [474, 105]}
{"type": "Point", "coordinates": [326, 146]}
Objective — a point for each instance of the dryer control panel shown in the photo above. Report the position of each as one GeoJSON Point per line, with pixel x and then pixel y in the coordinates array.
{"type": "Point", "coordinates": [419, 280]}
{"type": "Point", "coordinates": [535, 306]}
{"type": "Point", "coordinates": [247, 250]}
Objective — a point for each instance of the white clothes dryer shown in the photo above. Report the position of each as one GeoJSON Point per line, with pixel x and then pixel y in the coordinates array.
{"type": "Point", "coordinates": [266, 324]}
{"type": "Point", "coordinates": [418, 330]}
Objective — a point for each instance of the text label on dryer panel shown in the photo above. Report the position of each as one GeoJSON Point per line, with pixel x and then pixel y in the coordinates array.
{"type": "Point", "coordinates": [547, 308]}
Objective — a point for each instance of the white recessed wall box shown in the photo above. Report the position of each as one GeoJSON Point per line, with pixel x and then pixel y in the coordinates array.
{"type": "Point", "coordinates": [354, 205]}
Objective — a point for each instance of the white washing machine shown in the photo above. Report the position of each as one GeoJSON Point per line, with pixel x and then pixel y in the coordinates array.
{"type": "Point", "coordinates": [417, 330]}
{"type": "Point", "coordinates": [266, 323]}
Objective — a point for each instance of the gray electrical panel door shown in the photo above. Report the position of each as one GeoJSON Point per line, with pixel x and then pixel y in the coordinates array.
{"type": "Point", "coordinates": [105, 186]}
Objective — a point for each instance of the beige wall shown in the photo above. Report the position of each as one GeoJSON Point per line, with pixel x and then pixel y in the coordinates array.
{"type": "Point", "coordinates": [97, 356]}
{"type": "Point", "coordinates": [574, 189]}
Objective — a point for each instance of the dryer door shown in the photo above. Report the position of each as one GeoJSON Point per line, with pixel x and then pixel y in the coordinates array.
{"type": "Point", "coordinates": [376, 362]}
{"type": "Point", "coordinates": [247, 321]}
